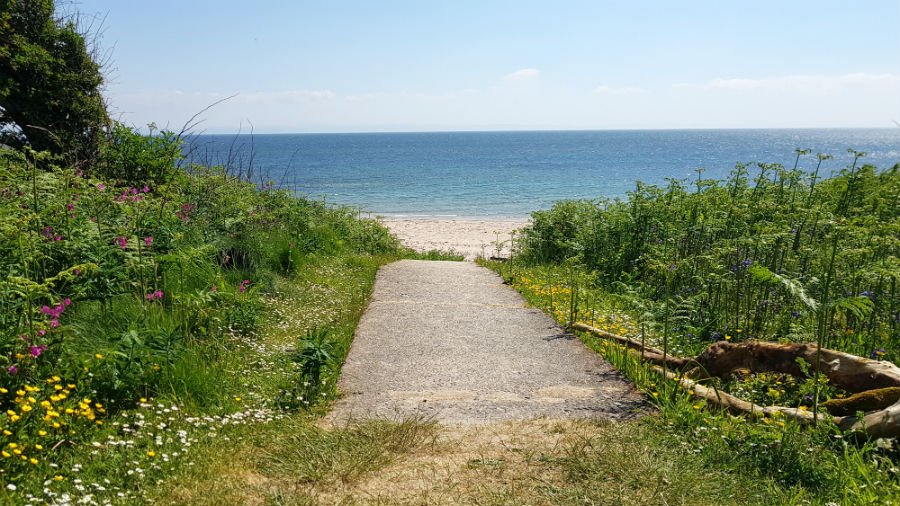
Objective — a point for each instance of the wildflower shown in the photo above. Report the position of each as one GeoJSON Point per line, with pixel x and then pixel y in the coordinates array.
{"type": "Point", "coordinates": [12, 370]}
{"type": "Point", "coordinates": [121, 242]}
{"type": "Point", "coordinates": [145, 189]}
{"type": "Point", "coordinates": [101, 186]}
{"type": "Point", "coordinates": [148, 240]}
{"type": "Point", "coordinates": [37, 350]}
{"type": "Point", "coordinates": [877, 353]}
{"type": "Point", "coordinates": [98, 356]}
{"type": "Point", "coordinates": [151, 453]}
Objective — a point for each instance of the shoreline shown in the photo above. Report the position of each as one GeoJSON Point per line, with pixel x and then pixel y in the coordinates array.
{"type": "Point", "coordinates": [471, 237]}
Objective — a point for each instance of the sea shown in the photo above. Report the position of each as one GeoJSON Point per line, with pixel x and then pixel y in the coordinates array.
{"type": "Point", "coordinates": [508, 175]}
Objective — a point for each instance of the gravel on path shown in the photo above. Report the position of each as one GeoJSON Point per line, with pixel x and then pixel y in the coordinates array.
{"type": "Point", "coordinates": [450, 341]}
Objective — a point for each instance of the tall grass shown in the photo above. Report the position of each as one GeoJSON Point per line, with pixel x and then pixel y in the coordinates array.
{"type": "Point", "coordinates": [711, 252]}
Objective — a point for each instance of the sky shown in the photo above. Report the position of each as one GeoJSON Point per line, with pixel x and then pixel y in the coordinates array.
{"type": "Point", "coordinates": [424, 65]}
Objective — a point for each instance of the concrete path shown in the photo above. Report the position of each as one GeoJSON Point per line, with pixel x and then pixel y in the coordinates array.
{"type": "Point", "coordinates": [450, 340]}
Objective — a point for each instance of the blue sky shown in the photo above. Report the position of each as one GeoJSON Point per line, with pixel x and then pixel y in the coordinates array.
{"type": "Point", "coordinates": [341, 66]}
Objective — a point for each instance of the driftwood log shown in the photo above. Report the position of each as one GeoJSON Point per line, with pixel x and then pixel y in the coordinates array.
{"type": "Point", "coordinates": [875, 383]}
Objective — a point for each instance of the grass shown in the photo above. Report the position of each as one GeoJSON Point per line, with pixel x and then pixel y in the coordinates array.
{"type": "Point", "coordinates": [790, 257]}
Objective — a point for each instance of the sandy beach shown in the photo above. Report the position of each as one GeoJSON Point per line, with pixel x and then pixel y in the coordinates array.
{"type": "Point", "coordinates": [469, 237]}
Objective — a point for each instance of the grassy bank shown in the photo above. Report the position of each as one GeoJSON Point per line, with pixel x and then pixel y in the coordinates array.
{"type": "Point", "coordinates": [789, 257]}
{"type": "Point", "coordinates": [142, 320]}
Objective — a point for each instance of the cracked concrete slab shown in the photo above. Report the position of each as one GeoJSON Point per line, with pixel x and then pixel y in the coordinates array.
{"type": "Point", "coordinates": [449, 340]}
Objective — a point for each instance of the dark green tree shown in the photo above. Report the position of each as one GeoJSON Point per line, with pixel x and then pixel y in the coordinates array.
{"type": "Point", "coordinates": [50, 85]}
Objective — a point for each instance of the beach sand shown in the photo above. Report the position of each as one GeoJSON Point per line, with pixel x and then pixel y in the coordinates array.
{"type": "Point", "coordinates": [469, 237]}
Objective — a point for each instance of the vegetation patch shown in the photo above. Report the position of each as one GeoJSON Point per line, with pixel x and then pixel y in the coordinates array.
{"type": "Point", "coordinates": [790, 258]}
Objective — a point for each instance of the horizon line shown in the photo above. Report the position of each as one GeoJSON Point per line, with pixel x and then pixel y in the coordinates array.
{"type": "Point", "coordinates": [539, 130]}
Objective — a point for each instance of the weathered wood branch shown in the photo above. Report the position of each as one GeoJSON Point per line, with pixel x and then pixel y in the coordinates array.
{"type": "Point", "coordinates": [875, 382]}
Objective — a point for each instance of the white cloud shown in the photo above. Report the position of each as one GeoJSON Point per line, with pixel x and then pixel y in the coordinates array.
{"type": "Point", "coordinates": [617, 90]}
{"type": "Point", "coordinates": [805, 83]}
{"type": "Point", "coordinates": [295, 96]}
{"type": "Point", "coordinates": [529, 74]}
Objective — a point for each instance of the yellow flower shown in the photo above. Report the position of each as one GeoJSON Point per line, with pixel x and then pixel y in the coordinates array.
{"type": "Point", "coordinates": [3, 390]}
{"type": "Point", "coordinates": [238, 399]}
{"type": "Point", "coordinates": [7, 433]}
{"type": "Point", "coordinates": [58, 478]}
{"type": "Point", "coordinates": [151, 454]}
{"type": "Point", "coordinates": [39, 447]}
{"type": "Point", "coordinates": [98, 356]}
{"type": "Point", "coordinates": [26, 408]}
{"type": "Point", "coordinates": [6, 454]}
{"type": "Point", "coordinates": [143, 399]}
{"type": "Point", "coordinates": [33, 460]}
{"type": "Point", "coordinates": [42, 433]}
{"type": "Point", "coordinates": [12, 445]}
{"type": "Point", "coordinates": [727, 337]}
{"type": "Point", "coordinates": [697, 406]}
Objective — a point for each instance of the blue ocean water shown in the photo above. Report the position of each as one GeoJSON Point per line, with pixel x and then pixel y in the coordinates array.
{"type": "Point", "coordinates": [511, 174]}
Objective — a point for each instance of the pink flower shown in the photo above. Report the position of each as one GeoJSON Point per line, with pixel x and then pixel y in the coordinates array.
{"type": "Point", "coordinates": [134, 191]}
{"type": "Point", "coordinates": [158, 294]}
{"type": "Point", "coordinates": [243, 286]}
{"type": "Point", "coordinates": [149, 297]}
{"type": "Point", "coordinates": [68, 301]}
{"type": "Point", "coordinates": [77, 272]}
{"type": "Point", "coordinates": [145, 189]}
{"type": "Point", "coordinates": [101, 186]}
{"type": "Point", "coordinates": [12, 370]}
{"type": "Point", "coordinates": [148, 240]}
{"type": "Point", "coordinates": [42, 332]}
{"type": "Point", "coordinates": [70, 206]}
{"type": "Point", "coordinates": [54, 323]}
{"type": "Point", "coordinates": [37, 350]}
{"type": "Point", "coordinates": [121, 242]}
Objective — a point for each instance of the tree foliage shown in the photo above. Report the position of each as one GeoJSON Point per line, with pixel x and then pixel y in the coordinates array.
{"type": "Point", "coordinates": [50, 85]}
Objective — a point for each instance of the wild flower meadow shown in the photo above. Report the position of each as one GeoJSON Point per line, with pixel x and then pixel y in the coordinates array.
{"type": "Point", "coordinates": [137, 311]}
